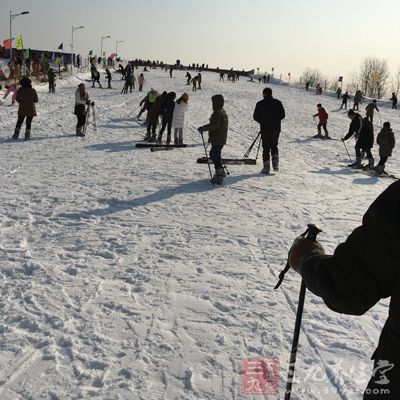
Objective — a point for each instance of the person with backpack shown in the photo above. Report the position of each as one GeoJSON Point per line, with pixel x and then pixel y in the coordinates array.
{"type": "Point", "coordinates": [386, 142]}
{"type": "Point", "coordinates": [269, 113]}
{"type": "Point", "coordinates": [323, 120]}
{"type": "Point", "coordinates": [345, 97]}
{"type": "Point", "coordinates": [370, 110]}
{"type": "Point", "coordinates": [217, 135]}
{"type": "Point", "coordinates": [363, 131]}
{"type": "Point", "coordinates": [26, 98]}
{"type": "Point", "coordinates": [361, 271]}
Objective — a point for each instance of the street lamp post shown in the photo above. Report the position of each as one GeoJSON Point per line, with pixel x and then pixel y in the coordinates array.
{"type": "Point", "coordinates": [12, 16]}
{"type": "Point", "coordinates": [101, 48]}
{"type": "Point", "coordinates": [72, 46]}
{"type": "Point", "coordinates": [116, 47]}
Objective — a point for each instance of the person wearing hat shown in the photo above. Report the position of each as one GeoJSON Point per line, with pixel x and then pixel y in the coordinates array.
{"type": "Point", "coordinates": [217, 134]}
{"type": "Point", "coordinates": [178, 119]}
{"type": "Point", "coordinates": [26, 98]}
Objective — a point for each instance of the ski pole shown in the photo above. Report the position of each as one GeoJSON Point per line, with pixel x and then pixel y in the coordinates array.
{"type": "Point", "coordinates": [347, 151]}
{"type": "Point", "coordinates": [246, 155]}
{"type": "Point", "coordinates": [258, 149]}
{"type": "Point", "coordinates": [311, 232]}
{"type": "Point", "coordinates": [205, 151]}
{"type": "Point", "coordinates": [379, 115]}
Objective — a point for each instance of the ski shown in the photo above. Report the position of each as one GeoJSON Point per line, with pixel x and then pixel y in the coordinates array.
{"type": "Point", "coordinates": [229, 161]}
{"type": "Point", "coordinates": [162, 148]}
{"type": "Point", "coordinates": [154, 145]}
{"type": "Point", "coordinates": [373, 173]}
{"type": "Point", "coordinates": [323, 138]}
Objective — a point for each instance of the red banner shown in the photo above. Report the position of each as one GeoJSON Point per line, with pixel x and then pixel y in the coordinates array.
{"type": "Point", "coordinates": [7, 44]}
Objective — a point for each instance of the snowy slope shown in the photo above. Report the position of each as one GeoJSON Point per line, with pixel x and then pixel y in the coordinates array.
{"type": "Point", "coordinates": [125, 275]}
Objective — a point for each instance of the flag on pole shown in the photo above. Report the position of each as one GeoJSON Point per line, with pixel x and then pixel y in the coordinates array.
{"type": "Point", "coordinates": [61, 46]}
{"type": "Point", "coordinates": [7, 43]}
{"type": "Point", "coordinates": [18, 43]}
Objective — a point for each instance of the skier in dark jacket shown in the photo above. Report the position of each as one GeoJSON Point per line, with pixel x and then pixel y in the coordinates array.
{"type": "Point", "coordinates": [188, 77]}
{"type": "Point", "coordinates": [217, 135]}
{"type": "Point", "coordinates": [96, 77]}
{"type": "Point", "coordinates": [370, 110]}
{"type": "Point", "coordinates": [167, 115]}
{"type": "Point", "coordinates": [153, 115]}
{"type": "Point", "coordinates": [386, 142]}
{"type": "Point", "coordinates": [82, 101]}
{"type": "Point", "coordinates": [108, 76]}
{"type": "Point", "coordinates": [363, 270]}
{"type": "Point", "coordinates": [363, 131]}
{"type": "Point", "coordinates": [269, 113]}
{"type": "Point", "coordinates": [345, 97]}
{"type": "Point", "coordinates": [52, 77]}
{"type": "Point", "coordinates": [357, 99]}
{"type": "Point", "coordinates": [394, 101]}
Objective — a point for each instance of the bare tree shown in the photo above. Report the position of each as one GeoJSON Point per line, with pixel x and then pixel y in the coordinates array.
{"type": "Point", "coordinates": [373, 77]}
{"type": "Point", "coordinates": [314, 76]}
{"type": "Point", "coordinates": [395, 82]}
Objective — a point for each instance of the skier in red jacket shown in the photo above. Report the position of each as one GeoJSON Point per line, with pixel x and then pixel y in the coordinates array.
{"type": "Point", "coordinates": [323, 120]}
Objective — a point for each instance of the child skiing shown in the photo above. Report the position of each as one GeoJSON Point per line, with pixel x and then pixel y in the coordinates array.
{"type": "Point", "coordinates": [323, 120]}
{"type": "Point", "coordinates": [11, 89]}
{"type": "Point", "coordinates": [386, 142]}
{"type": "Point", "coordinates": [178, 119]}
{"type": "Point", "coordinates": [26, 98]}
{"type": "Point", "coordinates": [345, 97]}
{"type": "Point", "coordinates": [141, 82]}
{"type": "Point", "coordinates": [217, 134]}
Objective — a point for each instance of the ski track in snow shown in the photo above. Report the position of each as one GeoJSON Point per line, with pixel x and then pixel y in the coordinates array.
{"type": "Point", "coordinates": [125, 275]}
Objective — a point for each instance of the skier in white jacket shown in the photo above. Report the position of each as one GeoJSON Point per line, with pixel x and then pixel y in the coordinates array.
{"type": "Point", "coordinates": [178, 119]}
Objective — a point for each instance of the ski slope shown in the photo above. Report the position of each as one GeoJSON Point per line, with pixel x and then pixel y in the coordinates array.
{"type": "Point", "coordinates": [125, 275]}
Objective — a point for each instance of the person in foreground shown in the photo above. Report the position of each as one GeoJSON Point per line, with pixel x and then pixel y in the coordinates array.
{"type": "Point", "coordinates": [217, 134]}
{"type": "Point", "coordinates": [361, 271]}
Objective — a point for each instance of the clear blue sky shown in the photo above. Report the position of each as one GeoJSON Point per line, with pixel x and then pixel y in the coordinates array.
{"type": "Point", "coordinates": [332, 36]}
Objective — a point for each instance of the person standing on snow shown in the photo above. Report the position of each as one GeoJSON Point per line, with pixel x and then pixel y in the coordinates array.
{"type": "Point", "coordinates": [108, 76]}
{"type": "Point", "coordinates": [363, 131]}
{"type": "Point", "coordinates": [386, 142]}
{"type": "Point", "coordinates": [363, 270]}
{"type": "Point", "coordinates": [323, 120]}
{"type": "Point", "coordinates": [153, 116]}
{"type": "Point", "coordinates": [357, 99]}
{"type": "Point", "coordinates": [394, 101]}
{"type": "Point", "coordinates": [178, 119]}
{"type": "Point", "coordinates": [345, 98]}
{"type": "Point", "coordinates": [26, 98]}
{"type": "Point", "coordinates": [12, 88]}
{"type": "Point", "coordinates": [167, 115]}
{"type": "Point", "coordinates": [52, 77]}
{"type": "Point", "coordinates": [141, 82]}
{"type": "Point", "coordinates": [370, 110]}
{"type": "Point", "coordinates": [80, 110]}
{"type": "Point", "coordinates": [217, 135]}
{"type": "Point", "coordinates": [269, 113]}
{"type": "Point", "coordinates": [188, 77]}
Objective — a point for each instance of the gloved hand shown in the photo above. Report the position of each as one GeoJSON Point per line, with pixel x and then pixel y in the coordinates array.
{"type": "Point", "coordinates": [301, 249]}
{"type": "Point", "coordinates": [92, 103]}
{"type": "Point", "coordinates": [200, 130]}
{"type": "Point", "coordinates": [342, 139]}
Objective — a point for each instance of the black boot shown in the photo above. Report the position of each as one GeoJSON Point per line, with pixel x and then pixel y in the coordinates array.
{"type": "Point", "coordinates": [16, 133]}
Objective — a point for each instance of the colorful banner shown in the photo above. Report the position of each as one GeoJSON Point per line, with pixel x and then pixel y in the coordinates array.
{"type": "Point", "coordinates": [26, 54]}
{"type": "Point", "coordinates": [18, 43]}
{"type": "Point", "coordinates": [7, 44]}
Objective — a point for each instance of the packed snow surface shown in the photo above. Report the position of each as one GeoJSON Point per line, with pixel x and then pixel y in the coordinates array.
{"type": "Point", "coordinates": [126, 275]}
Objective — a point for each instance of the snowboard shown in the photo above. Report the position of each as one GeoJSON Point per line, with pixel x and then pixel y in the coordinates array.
{"type": "Point", "coordinates": [229, 161]}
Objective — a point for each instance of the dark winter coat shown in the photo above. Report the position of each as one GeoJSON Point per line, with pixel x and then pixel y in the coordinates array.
{"type": "Point", "coordinates": [363, 131]}
{"type": "Point", "coordinates": [26, 98]}
{"type": "Point", "coordinates": [363, 270]}
{"type": "Point", "coordinates": [345, 97]}
{"type": "Point", "coordinates": [269, 113]}
{"type": "Point", "coordinates": [357, 97]}
{"type": "Point", "coordinates": [156, 109]}
{"type": "Point", "coordinates": [51, 75]}
{"type": "Point", "coordinates": [81, 100]}
{"type": "Point", "coordinates": [218, 126]}
{"type": "Point", "coordinates": [169, 107]}
{"type": "Point", "coordinates": [386, 142]}
{"type": "Point", "coordinates": [370, 108]}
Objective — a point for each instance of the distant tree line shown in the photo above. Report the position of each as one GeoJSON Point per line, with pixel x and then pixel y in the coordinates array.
{"type": "Point", "coordinates": [373, 79]}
